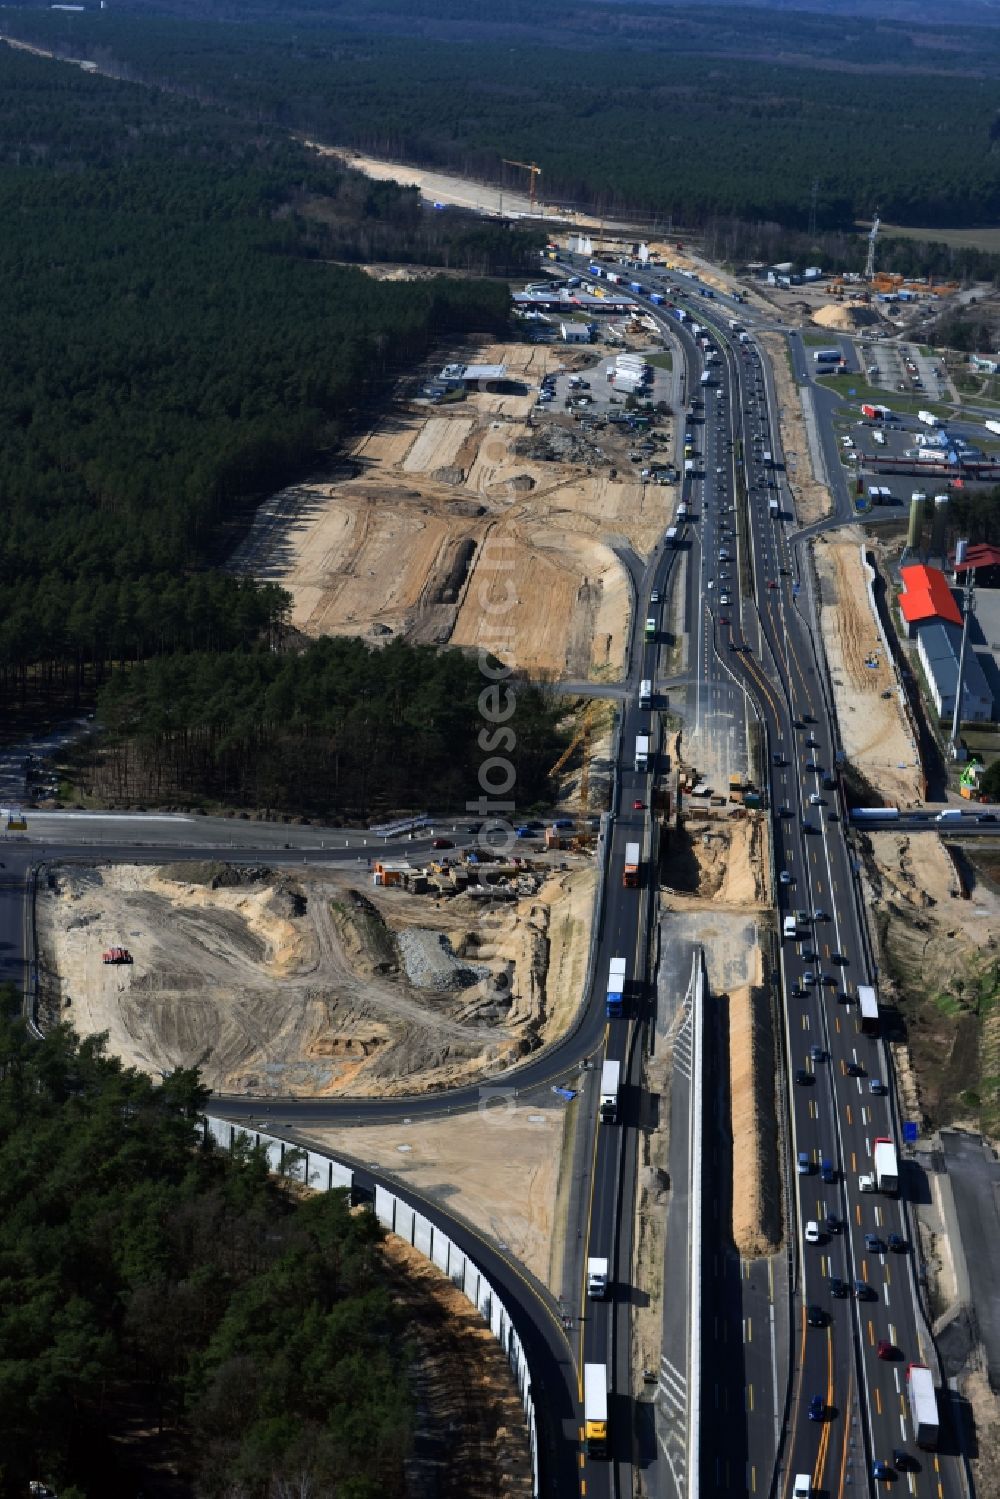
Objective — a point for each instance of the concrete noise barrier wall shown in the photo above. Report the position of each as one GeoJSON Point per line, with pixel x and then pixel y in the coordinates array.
{"type": "Point", "coordinates": [324, 1174]}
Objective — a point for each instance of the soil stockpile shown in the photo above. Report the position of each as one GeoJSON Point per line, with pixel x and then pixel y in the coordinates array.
{"type": "Point", "coordinates": [756, 1161]}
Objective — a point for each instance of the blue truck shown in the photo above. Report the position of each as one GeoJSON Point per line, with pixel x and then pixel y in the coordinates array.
{"type": "Point", "coordinates": [616, 988]}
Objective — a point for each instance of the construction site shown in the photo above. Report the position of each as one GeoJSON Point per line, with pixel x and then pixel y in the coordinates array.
{"type": "Point", "coordinates": [324, 983]}
{"type": "Point", "coordinates": [437, 515]}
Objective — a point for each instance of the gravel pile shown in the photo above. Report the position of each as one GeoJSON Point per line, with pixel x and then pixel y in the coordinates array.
{"type": "Point", "coordinates": [430, 963]}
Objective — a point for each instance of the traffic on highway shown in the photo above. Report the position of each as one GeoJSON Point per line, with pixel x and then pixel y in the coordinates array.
{"type": "Point", "coordinates": [855, 1408]}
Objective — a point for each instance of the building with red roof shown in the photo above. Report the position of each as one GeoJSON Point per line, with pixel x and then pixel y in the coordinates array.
{"type": "Point", "coordinates": [983, 561]}
{"type": "Point", "coordinates": [926, 596]}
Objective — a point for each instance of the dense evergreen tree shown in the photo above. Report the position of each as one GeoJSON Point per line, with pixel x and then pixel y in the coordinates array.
{"type": "Point", "coordinates": [665, 110]}
{"type": "Point", "coordinates": [339, 729]}
{"type": "Point", "coordinates": [149, 1282]}
{"type": "Point", "coordinates": [176, 344]}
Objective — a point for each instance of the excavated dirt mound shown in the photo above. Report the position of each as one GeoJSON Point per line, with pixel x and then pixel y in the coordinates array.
{"type": "Point", "coordinates": [279, 984]}
{"type": "Point", "coordinates": [756, 1160]}
{"type": "Point", "coordinates": [846, 316]}
{"type": "Point", "coordinates": [715, 854]}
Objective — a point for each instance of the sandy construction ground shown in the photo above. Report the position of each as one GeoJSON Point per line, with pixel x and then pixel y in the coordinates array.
{"type": "Point", "coordinates": [316, 983]}
{"type": "Point", "coordinates": [496, 1168]}
{"type": "Point", "coordinates": [873, 727]}
{"type": "Point", "coordinates": [441, 527]}
{"type": "Point", "coordinates": [939, 964]}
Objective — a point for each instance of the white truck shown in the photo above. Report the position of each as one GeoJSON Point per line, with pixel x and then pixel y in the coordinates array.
{"type": "Point", "coordinates": [790, 928]}
{"type": "Point", "coordinates": [773, 508]}
{"type": "Point", "coordinates": [706, 378]}
{"type": "Point", "coordinates": [646, 692]}
{"type": "Point", "coordinates": [928, 418]}
{"type": "Point", "coordinates": [611, 1080]}
{"type": "Point", "coordinates": [642, 752]}
{"type": "Point", "coordinates": [923, 1405]}
{"type": "Point", "coordinates": [595, 1409]}
{"type": "Point", "coordinates": [597, 1279]}
{"type": "Point", "coordinates": [886, 1168]}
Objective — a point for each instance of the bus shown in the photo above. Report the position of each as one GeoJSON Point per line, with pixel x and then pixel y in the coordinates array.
{"type": "Point", "coordinates": [646, 693]}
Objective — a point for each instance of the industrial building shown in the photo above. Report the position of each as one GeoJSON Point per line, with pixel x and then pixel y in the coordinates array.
{"type": "Point", "coordinates": [939, 647]}
{"type": "Point", "coordinates": [575, 333]}
{"type": "Point", "coordinates": [577, 301]}
{"type": "Point", "coordinates": [983, 562]}
{"type": "Point", "coordinates": [926, 597]}
{"type": "Point", "coordinates": [471, 376]}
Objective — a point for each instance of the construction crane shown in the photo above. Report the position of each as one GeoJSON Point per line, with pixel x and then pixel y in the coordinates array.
{"type": "Point", "coordinates": [872, 237]}
{"type": "Point", "coordinates": [529, 166]}
{"type": "Point", "coordinates": [581, 737]}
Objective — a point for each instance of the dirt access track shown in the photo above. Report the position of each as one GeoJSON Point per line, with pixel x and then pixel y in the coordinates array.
{"type": "Point", "coordinates": [314, 984]}
{"type": "Point", "coordinates": [435, 528]}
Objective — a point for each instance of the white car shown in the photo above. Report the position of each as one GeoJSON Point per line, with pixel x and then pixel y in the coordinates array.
{"type": "Point", "coordinates": [815, 800]}
{"type": "Point", "coordinates": [812, 1232]}
{"type": "Point", "coordinates": [866, 1183]}
{"type": "Point", "coordinates": [785, 877]}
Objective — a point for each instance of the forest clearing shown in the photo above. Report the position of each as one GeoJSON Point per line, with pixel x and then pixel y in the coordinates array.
{"type": "Point", "coordinates": [311, 984]}
{"type": "Point", "coordinates": [438, 516]}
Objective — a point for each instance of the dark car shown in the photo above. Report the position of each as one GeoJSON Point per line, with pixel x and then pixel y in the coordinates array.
{"type": "Point", "coordinates": [803, 1076]}
{"type": "Point", "coordinates": [817, 1408]}
{"type": "Point", "coordinates": [885, 1349]}
{"type": "Point", "coordinates": [838, 1287]}
{"type": "Point", "coordinates": [832, 1223]}
{"type": "Point", "coordinates": [897, 1243]}
{"type": "Point", "coordinates": [987, 817]}
{"type": "Point", "coordinates": [904, 1461]}
{"type": "Point", "coordinates": [442, 843]}
{"type": "Point", "coordinates": [874, 1244]}
{"type": "Point", "coordinates": [882, 1470]}
{"type": "Point", "coordinates": [855, 1069]}
{"type": "Point", "coordinates": [865, 1292]}
{"type": "Point", "coordinates": [828, 1171]}
{"type": "Point", "coordinates": [815, 1316]}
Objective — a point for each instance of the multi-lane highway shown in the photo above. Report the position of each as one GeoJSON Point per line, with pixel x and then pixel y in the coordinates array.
{"type": "Point", "coordinates": [848, 1408]}
{"type": "Point", "coordinates": [752, 658]}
